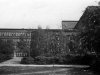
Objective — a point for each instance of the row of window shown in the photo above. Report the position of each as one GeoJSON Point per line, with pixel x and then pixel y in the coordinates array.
{"type": "Point", "coordinates": [17, 40]}
{"type": "Point", "coordinates": [14, 34]}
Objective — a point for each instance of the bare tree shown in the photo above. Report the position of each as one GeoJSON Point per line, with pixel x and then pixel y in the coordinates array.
{"type": "Point", "coordinates": [47, 27]}
{"type": "Point", "coordinates": [39, 27]}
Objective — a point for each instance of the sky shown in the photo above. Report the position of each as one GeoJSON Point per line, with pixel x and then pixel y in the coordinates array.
{"type": "Point", "coordinates": [44, 13]}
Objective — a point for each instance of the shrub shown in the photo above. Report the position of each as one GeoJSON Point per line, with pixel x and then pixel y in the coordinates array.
{"type": "Point", "coordinates": [4, 57]}
{"type": "Point", "coordinates": [88, 59]}
{"type": "Point", "coordinates": [96, 65]}
{"type": "Point", "coordinates": [46, 60]}
{"type": "Point", "coordinates": [82, 60]}
{"type": "Point", "coordinates": [6, 50]}
{"type": "Point", "coordinates": [27, 60]}
{"type": "Point", "coordinates": [67, 59]}
{"type": "Point", "coordinates": [40, 60]}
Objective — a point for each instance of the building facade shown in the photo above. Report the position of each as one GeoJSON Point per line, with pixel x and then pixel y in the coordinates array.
{"type": "Point", "coordinates": [14, 35]}
{"type": "Point", "coordinates": [47, 41]}
{"type": "Point", "coordinates": [70, 29]}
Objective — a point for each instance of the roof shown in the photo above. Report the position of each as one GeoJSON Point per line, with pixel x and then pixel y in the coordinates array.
{"type": "Point", "coordinates": [14, 30]}
{"type": "Point", "coordinates": [68, 24]}
{"type": "Point", "coordinates": [32, 30]}
{"type": "Point", "coordinates": [90, 18]}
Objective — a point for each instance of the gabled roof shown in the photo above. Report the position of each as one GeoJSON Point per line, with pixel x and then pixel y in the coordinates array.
{"type": "Point", "coordinates": [90, 18]}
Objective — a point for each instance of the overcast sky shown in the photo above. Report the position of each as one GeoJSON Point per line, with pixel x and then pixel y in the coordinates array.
{"type": "Point", "coordinates": [31, 13]}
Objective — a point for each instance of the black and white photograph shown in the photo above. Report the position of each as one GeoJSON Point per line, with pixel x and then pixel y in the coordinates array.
{"type": "Point", "coordinates": [49, 37]}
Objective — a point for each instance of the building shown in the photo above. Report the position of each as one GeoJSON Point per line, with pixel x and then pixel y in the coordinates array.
{"type": "Point", "coordinates": [90, 17]}
{"type": "Point", "coordinates": [70, 29]}
{"type": "Point", "coordinates": [90, 22]}
{"type": "Point", "coordinates": [53, 39]}
{"type": "Point", "coordinates": [14, 35]}
{"type": "Point", "coordinates": [68, 24]}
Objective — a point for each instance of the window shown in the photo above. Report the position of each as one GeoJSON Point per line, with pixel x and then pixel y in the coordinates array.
{"type": "Point", "coordinates": [9, 34]}
{"type": "Point", "coordinates": [17, 34]}
{"type": "Point", "coordinates": [4, 33]}
{"type": "Point", "coordinates": [0, 33]}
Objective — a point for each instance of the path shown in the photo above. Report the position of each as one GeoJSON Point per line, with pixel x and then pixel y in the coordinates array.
{"type": "Point", "coordinates": [15, 60]}
{"type": "Point", "coordinates": [63, 71]}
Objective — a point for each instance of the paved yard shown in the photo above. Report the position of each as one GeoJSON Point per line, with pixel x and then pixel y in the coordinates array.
{"type": "Point", "coordinates": [15, 60]}
{"type": "Point", "coordinates": [30, 70]}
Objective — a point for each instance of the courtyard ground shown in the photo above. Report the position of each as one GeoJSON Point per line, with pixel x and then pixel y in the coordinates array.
{"type": "Point", "coordinates": [31, 70]}
{"type": "Point", "coordinates": [13, 67]}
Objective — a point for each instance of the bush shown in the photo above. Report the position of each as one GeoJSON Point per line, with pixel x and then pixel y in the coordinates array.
{"type": "Point", "coordinates": [82, 60]}
{"type": "Point", "coordinates": [96, 65]}
{"type": "Point", "coordinates": [46, 60]}
{"type": "Point", "coordinates": [4, 57]}
{"type": "Point", "coordinates": [88, 59]}
{"type": "Point", "coordinates": [6, 50]}
{"type": "Point", "coordinates": [27, 60]}
{"type": "Point", "coordinates": [67, 59]}
{"type": "Point", "coordinates": [41, 60]}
